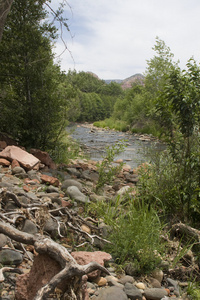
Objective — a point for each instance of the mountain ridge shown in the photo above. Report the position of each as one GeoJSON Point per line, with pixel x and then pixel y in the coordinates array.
{"type": "Point", "coordinates": [127, 82]}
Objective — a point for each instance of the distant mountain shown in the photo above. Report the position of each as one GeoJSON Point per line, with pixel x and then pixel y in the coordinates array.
{"type": "Point", "coordinates": [113, 80]}
{"type": "Point", "coordinates": [127, 83]}
{"type": "Point", "coordinates": [137, 78]}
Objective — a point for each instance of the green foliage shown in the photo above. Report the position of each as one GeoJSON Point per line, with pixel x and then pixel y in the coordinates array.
{"type": "Point", "coordinates": [105, 168]}
{"type": "Point", "coordinates": [94, 98]}
{"type": "Point", "coordinates": [134, 232]}
{"type": "Point", "coordinates": [172, 181]}
{"type": "Point", "coordinates": [64, 150]}
{"type": "Point", "coordinates": [112, 124]}
{"type": "Point", "coordinates": [193, 290]}
{"type": "Point", "coordinates": [32, 102]}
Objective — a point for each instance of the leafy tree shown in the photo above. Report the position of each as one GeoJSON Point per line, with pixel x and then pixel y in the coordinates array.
{"type": "Point", "coordinates": [5, 6]}
{"type": "Point", "coordinates": [30, 95]}
{"type": "Point", "coordinates": [157, 74]}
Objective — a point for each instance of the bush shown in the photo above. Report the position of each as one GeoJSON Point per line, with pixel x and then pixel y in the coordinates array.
{"type": "Point", "coordinates": [105, 168]}
{"type": "Point", "coordinates": [172, 181]}
{"type": "Point", "coordinates": [134, 232]}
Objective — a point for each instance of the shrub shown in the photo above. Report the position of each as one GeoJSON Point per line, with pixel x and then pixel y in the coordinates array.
{"type": "Point", "coordinates": [105, 168]}
{"type": "Point", "coordinates": [134, 232]}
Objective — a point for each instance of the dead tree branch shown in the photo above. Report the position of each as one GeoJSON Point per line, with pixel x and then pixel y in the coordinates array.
{"type": "Point", "coordinates": [43, 244]}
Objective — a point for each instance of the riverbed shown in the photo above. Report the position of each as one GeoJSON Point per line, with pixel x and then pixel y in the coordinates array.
{"type": "Point", "coordinates": [94, 141]}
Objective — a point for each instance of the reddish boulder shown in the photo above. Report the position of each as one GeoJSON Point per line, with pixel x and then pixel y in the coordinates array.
{"type": "Point", "coordinates": [24, 158]}
{"type": "Point", "coordinates": [43, 269]}
{"type": "Point", "coordinates": [15, 164]}
{"type": "Point", "coordinates": [4, 162]}
{"type": "Point", "coordinates": [50, 180]}
{"type": "Point", "coordinates": [44, 157]}
{"type": "Point", "coordinates": [84, 257]}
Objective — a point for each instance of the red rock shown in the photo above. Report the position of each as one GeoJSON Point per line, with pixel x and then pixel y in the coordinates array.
{"type": "Point", "coordinates": [31, 181]}
{"type": "Point", "coordinates": [43, 269]}
{"type": "Point", "coordinates": [44, 157]}
{"type": "Point", "coordinates": [4, 162]}
{"type": "Point", "coordinates": [26, 188]}
{"type": "Point", "coordinates": [3, 144]}
{"type": "Point", "coordinates": [14, 164]}
{"type": "Point", "coordinates": [84, 257]}
{"type": "Point", "coordinates": [50, 180]}
{"type": "Point", "coordinates": [126, 168]}
{"type": "Point", "coordinates": [66, 203]}
{"type": "Point", "coordinates": [24, 158]}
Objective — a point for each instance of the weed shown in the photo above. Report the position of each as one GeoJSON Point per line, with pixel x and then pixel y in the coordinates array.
{"type": "Point", "coordinates": [134, 231]}
{"type": "Point", "coordinates": [105, 168]}
{"type": "Point", "coordinates": [193, 290]}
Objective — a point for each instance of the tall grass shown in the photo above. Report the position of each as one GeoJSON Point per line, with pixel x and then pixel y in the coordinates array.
{"type": "Point", "coordinates": [134, 231]}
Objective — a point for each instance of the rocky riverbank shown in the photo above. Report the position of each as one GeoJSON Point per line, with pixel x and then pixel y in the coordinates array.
{"type": "Point", "coordinates": [38, 197]}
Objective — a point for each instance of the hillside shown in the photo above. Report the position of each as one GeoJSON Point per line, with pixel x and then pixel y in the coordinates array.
{"type": "Point", "coordinates": [127, 83]}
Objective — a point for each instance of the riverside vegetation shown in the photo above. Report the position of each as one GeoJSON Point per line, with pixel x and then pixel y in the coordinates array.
{"type": "Point", "coordinates": [166, 105]}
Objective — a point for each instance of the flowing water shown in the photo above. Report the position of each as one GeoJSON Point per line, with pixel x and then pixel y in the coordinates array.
{"type": "Point", "coordinates": [94, 142]}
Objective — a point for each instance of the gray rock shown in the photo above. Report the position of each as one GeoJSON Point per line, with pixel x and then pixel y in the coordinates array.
{"type": "Point", "coordinates": [12, 180]}
{"type": "Point", "coordinates": [52, 189]}
{"type": "Point", "coordinates": [126, 278]}
{"type": "Point", "coordinates": [112, 282]}
{"type": "Point", "coordinates": [33, 174]}
{"type": "Point", "coordinates": [29, 227]}
{"type": "Point", "coordinates": [154, 283]}
{"type": "Point", "coordinates": [3, 240]}
{"type": "Point", "coordinates": [32, 196]}
{"type": "Point", "coordinates": [76, 195]}
{"type": "Point", "coordinates": [112, 293]}
{"type": "Point", "coordinates": [51, 226]}
{"type": "Point", "coordinates": [131, 178]}
{"type": "Point", "coordinates": [71, 182]}
{"type": "Point", "coordinates": [174, 284]}
{"type": "Point", "coordinates": [155, 294]}
{"type": "Point", "coordinates": [131, 269]}
{"type": "Point", "coordinates": [6, 184]}
{"type": "Point", "coordinates": [10, 205]}
{"type": "Point", "coordinates": [18, 170]}
{"type": "Point", "coordinates": [132, 292]}
{"type": "Point", "coordinates": [88, 175]}
{"type": "Point", "coordinates": [10, 257]}
{"type": "Point", "coordinates": [74, 172]}
{"type": "Point", "coordinates": [158, 274]}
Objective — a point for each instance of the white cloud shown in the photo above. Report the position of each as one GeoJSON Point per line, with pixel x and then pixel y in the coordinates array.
{"type": "Point", "coordinates": [114, 38]}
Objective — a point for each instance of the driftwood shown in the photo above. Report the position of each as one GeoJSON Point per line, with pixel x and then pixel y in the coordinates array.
{"type": "Point", "coordinates": [71, 272]}
{"type": "Point", "coordinates": [186, 231]}
{"type": "Point", "coordinates": [43, 244]}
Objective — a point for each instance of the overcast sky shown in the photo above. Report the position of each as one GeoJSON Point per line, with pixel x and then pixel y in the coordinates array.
{"type": "Point", "coordinates": [114, 38]}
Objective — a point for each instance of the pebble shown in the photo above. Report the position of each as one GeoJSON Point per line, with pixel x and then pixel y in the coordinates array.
{"type": "Point", "coordinates": [140, 285]}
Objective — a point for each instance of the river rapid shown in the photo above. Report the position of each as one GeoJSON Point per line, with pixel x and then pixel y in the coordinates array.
{"type": "Point", "coordinates": [95, 140]}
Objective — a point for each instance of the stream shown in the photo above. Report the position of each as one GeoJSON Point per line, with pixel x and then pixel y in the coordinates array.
{"type": "Point", "coordinates": [95, 140]}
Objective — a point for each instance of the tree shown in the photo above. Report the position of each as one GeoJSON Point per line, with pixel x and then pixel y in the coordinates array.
{"type": "Point", "coordinates": [30, 96]}
{"type": "Point", "coordinates": [181, 94]}
{"type": "Point", "coordinates": [157, 74]}
{"type": "Point", "coordinates": [5, 6]}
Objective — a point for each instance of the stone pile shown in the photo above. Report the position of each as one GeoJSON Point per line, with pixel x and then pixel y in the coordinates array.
{"type": "Point", "coordinates": [69, 187]}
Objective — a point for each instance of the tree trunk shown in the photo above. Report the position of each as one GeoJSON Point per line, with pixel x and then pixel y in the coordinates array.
{"type": "Point", "coordinates": [5, 6]}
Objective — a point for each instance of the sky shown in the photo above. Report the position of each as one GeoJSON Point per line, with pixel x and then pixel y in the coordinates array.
{"type": "Point", "coordinates": [114, 38]}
